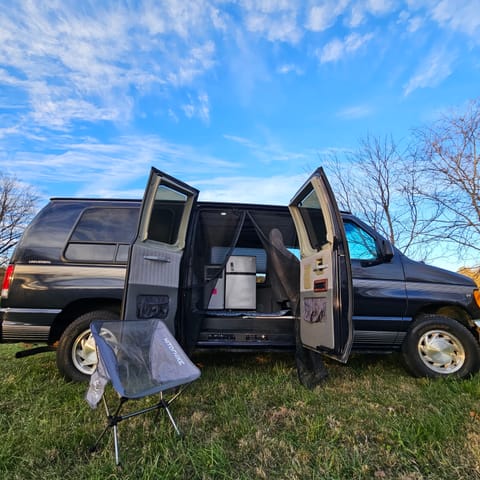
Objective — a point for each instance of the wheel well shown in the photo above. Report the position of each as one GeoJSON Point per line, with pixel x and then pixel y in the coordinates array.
{"type": "Point", "coordinates": [451, 311]}
{"type": "Point", "coordinates": [77, 308]}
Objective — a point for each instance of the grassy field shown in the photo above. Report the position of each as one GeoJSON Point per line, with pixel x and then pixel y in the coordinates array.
{"type": "Point", "coordinates": [248, 418]}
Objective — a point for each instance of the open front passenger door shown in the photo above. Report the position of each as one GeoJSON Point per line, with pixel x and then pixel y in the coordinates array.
{"type": "Point", "coordinates": [153, 273]}
{"type": "Point", "coordinates": [326, 279]}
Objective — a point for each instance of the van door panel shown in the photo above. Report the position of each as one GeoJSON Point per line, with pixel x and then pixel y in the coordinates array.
{"type": "Point", "coordinates": [146, 272]}
{"type": "Point", "coordinates": [153, 272]}
{"type": "Point", "coordinates": [316, 328]}
{"type": "Point", "coordinates": [326, 279]}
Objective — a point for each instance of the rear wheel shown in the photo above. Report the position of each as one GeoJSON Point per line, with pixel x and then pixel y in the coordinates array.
{"type": "Point", "coordinates": [438, 346]}
{"type": "Point", "coordinates": [76, 352]}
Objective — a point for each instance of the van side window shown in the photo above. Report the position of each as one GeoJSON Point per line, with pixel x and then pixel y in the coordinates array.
{"type": "Point", "coordinates": [361, 244]}
{"type": "Point", "coordinates": [166, 217]}
{"type": "Point", "coordinates": [313, 219]}
{"type": "Point", "coordinates": [102, 234]}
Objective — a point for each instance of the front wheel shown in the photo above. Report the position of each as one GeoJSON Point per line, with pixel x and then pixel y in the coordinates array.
{"type": "Point", "coordinates": [438, 346]}
{"type": "Point", "coordinates": [76, 352]}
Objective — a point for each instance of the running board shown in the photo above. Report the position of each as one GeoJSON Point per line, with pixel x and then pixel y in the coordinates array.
{"type": "Point", "coordinates": [248, 314]}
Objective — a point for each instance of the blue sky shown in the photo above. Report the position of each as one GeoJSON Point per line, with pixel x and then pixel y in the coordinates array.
{"type": "Point", "coordinates": [238, 98]}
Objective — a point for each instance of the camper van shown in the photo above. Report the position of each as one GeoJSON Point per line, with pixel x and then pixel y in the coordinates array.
{"type": "Point", "coordinates": [233, 276]}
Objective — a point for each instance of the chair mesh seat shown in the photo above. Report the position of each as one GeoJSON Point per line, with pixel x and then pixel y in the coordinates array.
{"type": "Point", "coordinates": [139, 358]}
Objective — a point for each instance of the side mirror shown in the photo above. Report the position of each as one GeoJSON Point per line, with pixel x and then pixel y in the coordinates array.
{"type": "Point", "coordinates": [387, 251]}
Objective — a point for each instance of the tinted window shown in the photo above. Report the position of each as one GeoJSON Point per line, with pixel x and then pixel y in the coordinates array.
{"type": "Point", "coordinates": [166, 216]}
{"type": "Point", "coordinates": [52, 225]}
{"type": "Point", "coordinates": [361, 244]}
{"type": "Point", "coordinates": [82, 252]}
{"type": "Point", "coordinates": [313, 219]}
{"type": "Point", "coordinates": [115, 225]}
{"type": "Point", "coordinates": [103, 234]}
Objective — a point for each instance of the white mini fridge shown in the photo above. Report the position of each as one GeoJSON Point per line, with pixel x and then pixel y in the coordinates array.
{"type": "Point", "coordinates": [241, 283]}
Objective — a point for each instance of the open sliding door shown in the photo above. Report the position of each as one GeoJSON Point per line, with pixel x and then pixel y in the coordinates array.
{"type": "Point", "coordinates": [325, 280]}
{"type": "Point", "coordinates": [153, 273]}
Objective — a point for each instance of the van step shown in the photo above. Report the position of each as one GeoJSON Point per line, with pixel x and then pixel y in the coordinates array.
{"type": "Point", "coordinates": [248, 314]}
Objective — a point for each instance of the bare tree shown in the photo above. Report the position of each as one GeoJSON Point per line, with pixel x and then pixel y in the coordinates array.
{"type": "Point", "coordinates": [378, 182]}
{"type": "Point", "coordinates": [17, 205]}
{"type": "Point", "coordinates": [449, 159]}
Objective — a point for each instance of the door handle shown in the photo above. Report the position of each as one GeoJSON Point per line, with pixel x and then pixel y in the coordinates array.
{"type": "Point", "coordinates": [320, 268]}
{"type": "Point", "coordinates": [154, 258]}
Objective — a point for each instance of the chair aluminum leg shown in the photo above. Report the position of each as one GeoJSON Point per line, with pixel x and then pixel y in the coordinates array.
{"type": "Point", "coordinates": [170, 416]}
{"type": "Point", "coordinates": [116, 445]}
{"type": "Point", "coordinates": [113, 421]}
{"type": "Point", "coordinates": [115, 418]}
{"type": "Point", "coordinates": [164, 404]}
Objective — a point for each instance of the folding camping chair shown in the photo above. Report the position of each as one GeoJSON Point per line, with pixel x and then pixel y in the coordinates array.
{"type": "Point", "coordinates": [140, 358]}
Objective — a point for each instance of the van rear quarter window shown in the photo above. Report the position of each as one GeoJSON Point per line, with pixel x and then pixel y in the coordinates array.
{"type": "Point", "coordinates": [52, 225]}
{"type": "Point", "coordinates": [102, 234]}
{"type": "Point", "coordinates": [104, 225]}
{"type": "Point", "coordinates": [44, 239]}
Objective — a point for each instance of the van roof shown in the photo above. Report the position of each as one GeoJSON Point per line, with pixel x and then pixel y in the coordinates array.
{"type": "Point", "coordinates": [86, 199]}
{"type": "Point", "coordinates": [137, 200]}
{"type": "Point", "coordinates": [211, 204]}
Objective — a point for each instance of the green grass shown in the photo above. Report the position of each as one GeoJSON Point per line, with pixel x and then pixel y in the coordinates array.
{"type": "Point", "coordinates": [247, 417]}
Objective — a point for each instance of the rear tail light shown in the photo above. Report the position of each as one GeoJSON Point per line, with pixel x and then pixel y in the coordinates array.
{"type": "Point", "coordinates": [7, 279]}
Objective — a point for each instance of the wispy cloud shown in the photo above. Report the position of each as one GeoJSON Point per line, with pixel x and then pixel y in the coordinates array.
{"type": "Point", "coordinates": [411, 21]}
{"type": "Point", "coordinates": [351, 13]}
{"type": "Point", "coordinates": [65, 63]}
{"type": "Point", "coordinates": [360, 10]}
{"type": "Point", "coordinates": [276, 20]}
{"type": "Point", "coordinates": [85, 64]}
{"type": "Point", "coordinates": [337, 49]}
{"type": "Point", "coordinates": [9, 131]}
{"type": "Point", "coordinates": [355, 112]}
{"type": "Point", "coordinates": [268, 152]}
{"type": "Point", "coordinates": [198, 107]}
{"type": "Point", "coordinates": [323, 16]}
{"type": "Point", "coordinates": [92, 168]}
{"type": "Point", "coordinates": [199, 60]}
{"type": "Point", "coordinates": [277, 189]}
{"type": "Point", "coordinates": [461, 15]}
{"type": "Point", "coordinates": [290, 68]}
{"type": "Point", "coordinates": [434, 69]}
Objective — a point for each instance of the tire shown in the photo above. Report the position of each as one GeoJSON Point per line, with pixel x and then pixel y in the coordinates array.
{"type": "Point", "coordinates": [76, 353]}
{"type": "Point", "coordinates": [438, 346]}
